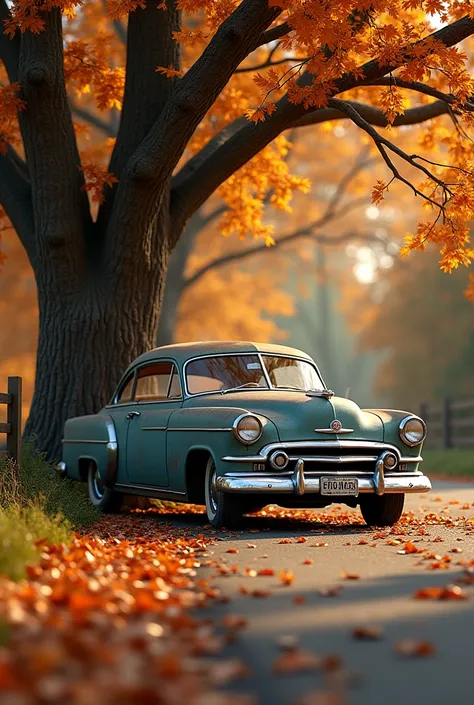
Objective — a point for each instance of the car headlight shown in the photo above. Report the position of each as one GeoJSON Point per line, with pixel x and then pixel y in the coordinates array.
{"type": "Point", "coordinates": [247, 429]}
{"type": "Point", "coordinates": [412, 430]}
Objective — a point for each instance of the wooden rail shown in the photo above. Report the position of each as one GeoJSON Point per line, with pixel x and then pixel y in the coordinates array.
{"type": "Point", "coordinates": [12, 398]}
{"type": "Point", "coordinates": [450, 424]}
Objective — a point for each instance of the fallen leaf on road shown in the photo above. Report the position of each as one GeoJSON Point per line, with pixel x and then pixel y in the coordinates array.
{"type": "Point", "coordinates": [249, 573]}
{"type": "Point", "coordinates": [287, 642]}
{"type": "Point", "coordinates": [368, 633]}
{"type": "Point", "coordinates": [297, 661]}
{"type": "Point", "coordinates": [410, 547]}
{"type": "Point", "coordinates": [234, 622]}
{"type": "Point", "coordinates": [224, 672]}
{"type": "Point", "coordinates": [308, 561]}
{"type": "Point", "coordinates": [232, 550]}
{"type": "Point", "coordinates": [448, 592]}
{"type": "Point", "coordinates": [285, 541]}
{"type": "Point", "coordinates": [414, 648]}
{"type": "Point", "coordinates": [299, 599]}
{"type": "Point", "coordinates": [266, 571]}
{"type": "Point", "coordinates": [301, 539]}
{"type": "Point", "coordinates": [350, 576]}
{"type": "Point", "coordinates": [363, 542]}
{"type": "Point", "coordinates": [287, 577]}
{"type": "Point", "coordinates": [331, 591]}
{"type": "Point", "coordinates": [320, 544]}
{"type": "Point", "coordinates": [251, 545]}
{"type": "Point", "coordinates": [259, 593]}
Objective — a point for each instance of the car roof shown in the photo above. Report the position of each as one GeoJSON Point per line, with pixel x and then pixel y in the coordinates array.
{"type": "Point", "coordinates": [185, 351]}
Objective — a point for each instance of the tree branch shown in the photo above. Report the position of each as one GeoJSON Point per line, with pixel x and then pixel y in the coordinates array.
{"type": "Point", "coordinates": [200, 177]}
{"type": "Point", "coordinates": [9, 48]}
{"type": "Point", "coordinates": [143, 185]}
{"type": "Point", "coordinates": [267, 63]}
{"type": "Point", "coordinates": [150, 44]}
{"type": "Point", "coordinates": [15, 197]}
{"type": "Point", "coordinates": [241, 255]}
{"type": "Point", "coordinates": [383, 145]}
{"type": "Point", "coordinates": [106, 127]}
{"type": "Point", "coordinates": [375, 116]}
{"type": "Point", "coordinates": [51, 149]}
{"type": "Point", "coordinates": [273, 34]}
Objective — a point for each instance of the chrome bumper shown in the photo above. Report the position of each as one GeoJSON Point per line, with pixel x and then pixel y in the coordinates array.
{"type": "Point", "coordinates": [298, 483]}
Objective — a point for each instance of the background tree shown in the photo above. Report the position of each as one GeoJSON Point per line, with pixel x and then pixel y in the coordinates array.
{"type": "Point", "coordinates": [183, 135]}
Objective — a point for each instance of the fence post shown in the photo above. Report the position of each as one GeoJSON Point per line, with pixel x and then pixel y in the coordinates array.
{"type": "Point", "coordinates": [447, 423]}
{"type": "Point", "coordinates": [14, 419]}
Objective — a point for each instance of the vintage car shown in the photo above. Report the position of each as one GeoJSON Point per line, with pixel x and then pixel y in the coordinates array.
{"type": "Point", "coordinates": [236, 426]}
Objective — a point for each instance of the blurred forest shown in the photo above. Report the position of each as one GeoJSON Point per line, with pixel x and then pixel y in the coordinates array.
{"type": "Point", "coordinates": [386, 331]}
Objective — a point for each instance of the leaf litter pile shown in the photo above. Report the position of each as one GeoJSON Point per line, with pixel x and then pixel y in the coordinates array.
{"type": "Point", "coordinates": [118, 609]}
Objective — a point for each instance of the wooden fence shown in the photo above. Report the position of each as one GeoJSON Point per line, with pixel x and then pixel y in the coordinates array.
{"type": "Point", "coordinates": [12, 398]}
{"type": "Point", "coordinates": [450, 424]}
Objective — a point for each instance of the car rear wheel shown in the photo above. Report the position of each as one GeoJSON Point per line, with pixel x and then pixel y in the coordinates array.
{"type": "Point", "coordinates": [223, 510]}
{"type": "Point", "coordinates": [383, 510]}
{"type": "Point", "coordinates": [101, 496]}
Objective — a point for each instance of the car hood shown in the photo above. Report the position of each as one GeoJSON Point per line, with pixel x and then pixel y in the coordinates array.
{"type": "Point", "coordinates": [297, 416]}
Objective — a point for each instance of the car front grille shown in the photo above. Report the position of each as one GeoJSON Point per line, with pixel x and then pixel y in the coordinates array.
{"type": "Point", "coordinates": [332, 457]}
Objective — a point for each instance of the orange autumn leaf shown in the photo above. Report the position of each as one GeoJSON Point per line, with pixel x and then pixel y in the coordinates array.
{"type": "Point", "coordinates": [350, 576]}
{"type": "Point", "coordinates": [286, 577]}
{"type": "Point", "coordinates": [266, 571]}
{"type": "Point", "coordinates": [412, 648]}
{"type": "Point", "coordinates": [285, 541]}
{"type": "Point", "coordinates": [367, 633]}
{"type": "Point", "coordinates": [295, 661]}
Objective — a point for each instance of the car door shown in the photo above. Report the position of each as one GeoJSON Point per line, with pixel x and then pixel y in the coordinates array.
{"type": "Point", "coordinates": [119, 411]}
{"type": "Point", "coordinates": [157, 395]}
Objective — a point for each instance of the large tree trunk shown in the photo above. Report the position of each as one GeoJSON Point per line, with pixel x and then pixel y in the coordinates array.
{"type": "Point", "coordinates": [87, 337]}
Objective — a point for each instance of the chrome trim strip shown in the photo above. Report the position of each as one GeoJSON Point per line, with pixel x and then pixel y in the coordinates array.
{"type": "Point", "coordinates": [82, 440]}
{"type": "Point", "coordinates": [199, 429]}
{"type": "Point", "coordinates": [157, 492]}
{"type": "Point", "coordinates": [270, 484]}
{"type": "Point", "coordinates": [332, 431]}
{"type": "Point", "coordinates": [153, 428]}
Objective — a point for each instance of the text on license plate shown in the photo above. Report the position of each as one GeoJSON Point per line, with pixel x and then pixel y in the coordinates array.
{"type": "Point", "coordinates": [339, 486]}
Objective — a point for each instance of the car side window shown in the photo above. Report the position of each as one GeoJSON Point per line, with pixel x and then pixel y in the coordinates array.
{"type": "Point", "coordinates": [125, 394]}
{"type": "Point", "coordinates": [156, 382]}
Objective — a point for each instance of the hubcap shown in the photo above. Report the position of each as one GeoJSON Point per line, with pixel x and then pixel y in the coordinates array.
{"type": "Point", "coordinates": [98, 484]}
{"type": "Point", "coordinates": [213, 490]}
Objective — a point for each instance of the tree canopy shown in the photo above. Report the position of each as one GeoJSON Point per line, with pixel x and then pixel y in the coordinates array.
{"type": "Point", "coordinates": [193, 100]}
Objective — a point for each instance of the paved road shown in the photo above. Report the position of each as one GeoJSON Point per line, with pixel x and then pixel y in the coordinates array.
{"type": "Point", "coordinates": [382, 596]}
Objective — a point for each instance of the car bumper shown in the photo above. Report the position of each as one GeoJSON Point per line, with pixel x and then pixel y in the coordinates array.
{"type": "Point", "coordinates": [299, 483]}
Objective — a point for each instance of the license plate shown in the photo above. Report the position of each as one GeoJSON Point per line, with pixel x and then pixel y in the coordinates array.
{"type": "Point", "coordinates": [339, 486]}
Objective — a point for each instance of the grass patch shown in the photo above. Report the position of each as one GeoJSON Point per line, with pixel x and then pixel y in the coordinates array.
{"type": "Point", "coordinates": [38, 478]}
{"type": "Point", "coordinates": [22, 531]}
{"type": "Point", "coordinates": [451, 463]}
{"type": "Point", "coordinates": [36, 507]}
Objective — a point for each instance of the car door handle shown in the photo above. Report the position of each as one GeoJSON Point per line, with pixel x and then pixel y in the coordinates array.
{"type": "Point", "coordinates": [131, 414]}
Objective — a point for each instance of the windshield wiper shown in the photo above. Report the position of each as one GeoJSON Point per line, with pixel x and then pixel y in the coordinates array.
{"type": "Point", "coordinates": [290, 386]}
{"type": "Point", "coordinates": [242, 386]}
{"type": "Point", "coordinates": [328, 393]}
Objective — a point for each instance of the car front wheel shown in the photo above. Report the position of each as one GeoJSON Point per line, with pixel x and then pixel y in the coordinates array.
{"type": "Point", "coordinates": [383, 510]}
{"type": "Point", "coordinates": [101, 496]}
{"type": "Point", "coordinates": [223, 510]}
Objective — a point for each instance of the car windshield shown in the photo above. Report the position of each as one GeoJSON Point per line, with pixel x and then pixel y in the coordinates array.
{"type": "Point", "coordinates": [226, 372]}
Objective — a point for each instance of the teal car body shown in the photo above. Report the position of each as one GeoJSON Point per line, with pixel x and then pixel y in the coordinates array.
{"type": "Point", "coordinates": [220, 424]}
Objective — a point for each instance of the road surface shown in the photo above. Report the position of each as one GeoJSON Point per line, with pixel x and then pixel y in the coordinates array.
{"type": "Point", "coordinates": [373, 672]}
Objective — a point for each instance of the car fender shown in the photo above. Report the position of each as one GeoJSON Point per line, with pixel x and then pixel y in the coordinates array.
{"type": "Point", "coordinates": [209, 428]}
{"type": "Point", "coordinates": [391, 419]}
{"type": "Point", "coordinates": [94, 438]}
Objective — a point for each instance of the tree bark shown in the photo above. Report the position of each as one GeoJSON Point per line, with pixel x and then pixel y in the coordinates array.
{"type": "Point", "coordinates": [88, 338]}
